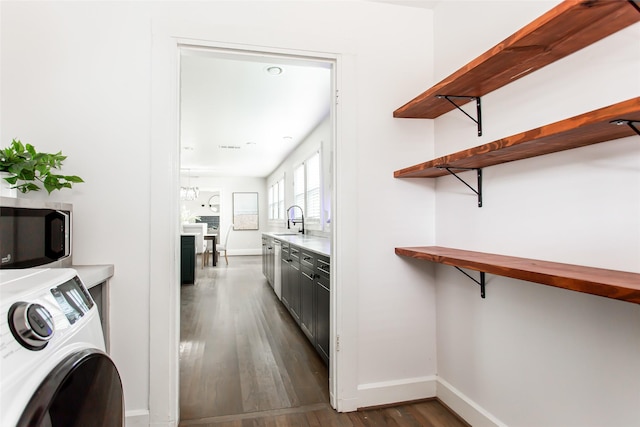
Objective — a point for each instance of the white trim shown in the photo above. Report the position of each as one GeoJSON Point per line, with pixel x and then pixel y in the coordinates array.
{"type": "Point", "coordinates": [165, 299]}
{"type": "Point", "coordinates": [466, 408]}
{"type": "Point", "coordinates": [164, 288]}
{"type": "Point", "coordinates": [343, 381]}
{"type": "Point", "coordinates": [375, 394]}
{"type": "Point", "coordinates": [137, 418]}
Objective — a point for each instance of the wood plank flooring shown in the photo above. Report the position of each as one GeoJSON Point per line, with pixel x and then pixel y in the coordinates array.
{"type": "Point", "coordinates": [244, 362]}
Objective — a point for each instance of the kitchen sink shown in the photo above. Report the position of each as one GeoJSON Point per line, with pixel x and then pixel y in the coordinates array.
{"type": "Point", "coordinates": [285, 234]}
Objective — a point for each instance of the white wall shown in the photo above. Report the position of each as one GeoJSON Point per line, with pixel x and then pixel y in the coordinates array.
{"type": "Point", "coordinates": [85, 77]}
{"type": "Point", "coordinates": [532, 355]}
{"type": "Point", "coordinates": [78, 77]}
{"type": "Point", "coordinates": [75, 77]}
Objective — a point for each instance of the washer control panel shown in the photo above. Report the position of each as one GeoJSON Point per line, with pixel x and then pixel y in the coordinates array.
{"type": "Point", "coordinates": [73, 298]}
{"type": "Point", "coordinates": [45, 303]}
{"type": "Point", "coordinates": [31, 324]}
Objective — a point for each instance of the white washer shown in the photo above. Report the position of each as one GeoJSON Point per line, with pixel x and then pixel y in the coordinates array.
{"type": "Point", "coordinates": [53, 367]}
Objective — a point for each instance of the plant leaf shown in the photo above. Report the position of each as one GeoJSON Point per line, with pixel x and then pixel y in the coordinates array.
{"type": "Point", "coordinates": [27, 167]}
{"type": "Point", "coordinates": [31, 150]}
{"type": "Point", "coordinates": [73, 178]}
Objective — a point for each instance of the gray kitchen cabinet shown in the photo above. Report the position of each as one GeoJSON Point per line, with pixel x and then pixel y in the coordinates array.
{"type": "Point", "coordinates": [268, 259]}
{"type": "Point", "coordinates": [322, 306]}
{"type": "Point", "coordinates": [284, 274]}
{"type": "Point", "coordinates": [305, 289]}
{"type": "Point", "coordinates": [307, 296]}
{"type": "Point", "coordinates": [293, 279]}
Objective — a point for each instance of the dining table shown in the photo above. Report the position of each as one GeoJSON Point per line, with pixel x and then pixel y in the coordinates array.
{"type": "Point", "coordinates": [212, 237]}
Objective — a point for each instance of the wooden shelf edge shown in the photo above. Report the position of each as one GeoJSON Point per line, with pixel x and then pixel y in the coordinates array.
{"type": "Point", "coordinates": [578, 131]}
{"type": "Point", "coordinates": [620, 285]}
{"type": "Point", "coordinates": [567, 28]}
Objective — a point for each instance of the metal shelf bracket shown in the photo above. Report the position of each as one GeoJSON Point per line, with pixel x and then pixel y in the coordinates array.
{"type": "Point", "coordinates": [478, 121]}
{"type": "Point", "coordinates": [630, 123]}
{"type": "Point", "coordinates": [480, 282]}
{"type": "Point", "coordinates": [479, 177]}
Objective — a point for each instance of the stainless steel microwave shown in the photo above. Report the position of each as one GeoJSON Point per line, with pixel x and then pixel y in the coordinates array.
{"type": "Point", "coordinates": [35, 233]}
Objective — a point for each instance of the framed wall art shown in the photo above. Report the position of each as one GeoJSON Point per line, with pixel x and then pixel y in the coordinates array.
{"type": "Point", "coordinates": [245, 211]}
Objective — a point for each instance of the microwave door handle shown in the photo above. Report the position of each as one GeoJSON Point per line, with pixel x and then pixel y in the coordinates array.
{"type": "Point", "coordinates": [67, 232]}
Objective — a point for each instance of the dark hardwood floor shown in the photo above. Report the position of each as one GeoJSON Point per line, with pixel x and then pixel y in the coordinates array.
{"type": "Point", "coordinates": [244, 362]}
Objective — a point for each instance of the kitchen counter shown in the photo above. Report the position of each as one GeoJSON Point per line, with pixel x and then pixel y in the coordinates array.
{"type": "Point", "coordinates": [299, 272]}
{"type": "Point", "coordinates": [319, 245]}
{"type": "Point", "coordinates": [96, 279]}
{"type": "Point", "coordinates": [93, 275]}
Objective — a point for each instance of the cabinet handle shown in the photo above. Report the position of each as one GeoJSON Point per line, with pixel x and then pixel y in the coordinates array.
{"type": "Point", "coordinates": [307, 276]}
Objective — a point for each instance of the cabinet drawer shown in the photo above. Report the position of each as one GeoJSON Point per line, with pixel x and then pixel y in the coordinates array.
{"type": "Point", "coordinates": [307, 260]}
{"type": "Point", "coordinates": [294, 254]}
{"type": "Point", "coordinates": [323, 266]}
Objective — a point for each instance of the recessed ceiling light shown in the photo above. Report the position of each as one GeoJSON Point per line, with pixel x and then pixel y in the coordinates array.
{"type": "Point", "coordinates": [287, 138]}
{"type": "Point", "coordinates": [274, 70]}
{"type": "Point", "coordinates": [188, 148]}
{"type": "Point", "coordinates": [250, 143]}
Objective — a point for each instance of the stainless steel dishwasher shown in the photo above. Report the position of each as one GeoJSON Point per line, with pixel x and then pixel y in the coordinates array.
{"type": "Point", "coordinates": [277, 271]}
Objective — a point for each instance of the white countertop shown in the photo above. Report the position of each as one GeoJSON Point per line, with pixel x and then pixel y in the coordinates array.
{"type": "Point", "coordinates": [321, 245]}
{"type": "Point", "coordinates": [92, 275]}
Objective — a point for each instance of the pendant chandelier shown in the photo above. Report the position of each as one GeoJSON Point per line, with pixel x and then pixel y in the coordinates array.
{"type": "Point", "coordinates": [189, 192]}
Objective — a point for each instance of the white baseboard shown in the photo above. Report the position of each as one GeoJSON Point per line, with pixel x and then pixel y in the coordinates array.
{"type": "Point", "coordinates": [383, 393]}
{"type": "Point", "coordinates": [137, 418]}
{"type": "Point", "coordinates": [164, 424]}
{"type": "Point", "coordinates": [347, 405]}
{"type": "Point", "coordinates": [466, 408]}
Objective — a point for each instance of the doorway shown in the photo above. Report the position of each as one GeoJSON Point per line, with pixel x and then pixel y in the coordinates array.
{"type": "Point", "coordinates": [216, 156]}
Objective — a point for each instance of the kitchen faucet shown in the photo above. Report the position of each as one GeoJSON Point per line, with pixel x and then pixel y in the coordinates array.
{"type": "Point", "coordinates": [293, 220]}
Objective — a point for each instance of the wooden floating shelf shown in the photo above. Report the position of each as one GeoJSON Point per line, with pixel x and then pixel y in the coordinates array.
{"type": "Point", "coordinates": [614, 284]}
{"type": "Point", "coordinates": [579, 131]}
{"type": "Point", "coordinates": [567, 28]}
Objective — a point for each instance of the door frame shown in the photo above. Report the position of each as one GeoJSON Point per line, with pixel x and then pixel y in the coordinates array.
{"type": "Point", "coordinates": [164, 295]}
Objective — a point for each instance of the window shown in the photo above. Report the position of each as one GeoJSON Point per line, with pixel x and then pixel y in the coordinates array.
{"type": "Point", "coordinates": [306, 188]}
{"type": "Point", "coordinates": [276, 200]}
{"type": "Point", "coordinates": [270, 201]}
{"type": "Point", "coordinates": [281, 199]}
{"type": "Point", "coordinates": [298, 186]}
{"type": "Point", "coordinates": [312, 188]}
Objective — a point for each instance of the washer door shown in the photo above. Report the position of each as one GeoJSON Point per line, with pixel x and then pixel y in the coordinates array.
{"type": "Point", "coordinates": [83, 390]}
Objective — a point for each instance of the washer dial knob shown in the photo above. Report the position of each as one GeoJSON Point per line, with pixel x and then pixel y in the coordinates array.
{"type": "Point", "coordinates": [31, 325]}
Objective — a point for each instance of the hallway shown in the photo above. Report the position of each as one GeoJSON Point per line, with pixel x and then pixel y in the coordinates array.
{"type": "Point", "coordinates": [244, 361]}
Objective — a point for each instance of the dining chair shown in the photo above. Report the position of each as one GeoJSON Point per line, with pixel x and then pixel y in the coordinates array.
{"type": "Point", "coordinates": [222, 247]}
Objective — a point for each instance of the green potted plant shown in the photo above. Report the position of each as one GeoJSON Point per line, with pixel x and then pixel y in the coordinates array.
{"type": "Point", "coordinates": [26, 169]}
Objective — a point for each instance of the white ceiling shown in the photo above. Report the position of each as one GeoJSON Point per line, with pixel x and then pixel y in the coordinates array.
{"type": "Point", "coordinates": [424, 4]}
{"type": "Point", "coordinates": [238, 120]}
